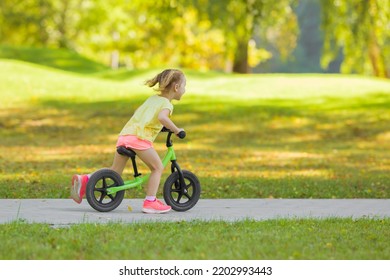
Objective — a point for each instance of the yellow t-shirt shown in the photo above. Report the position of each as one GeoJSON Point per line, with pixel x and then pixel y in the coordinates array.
{"type": "Point", "coordinates": [144, 123]}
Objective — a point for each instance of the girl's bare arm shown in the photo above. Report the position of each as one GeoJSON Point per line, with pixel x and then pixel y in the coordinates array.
{"type": "Point", "coordinates": [163, 117]}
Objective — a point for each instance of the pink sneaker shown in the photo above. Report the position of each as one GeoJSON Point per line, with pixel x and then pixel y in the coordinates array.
{"type": "Point", "coordinates": [155, 207]}
{"type": "Point", "coordinates": [79, 185]}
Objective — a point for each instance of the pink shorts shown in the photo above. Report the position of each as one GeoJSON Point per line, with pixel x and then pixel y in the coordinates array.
{"type": "Point", "coordinates": [133, 142]}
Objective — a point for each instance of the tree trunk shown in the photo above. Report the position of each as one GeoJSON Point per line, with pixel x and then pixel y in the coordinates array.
{"type": "Point", "coordinates": [61, 27]}
{"type": "Point", "coordinates": [43, 15]}
{"type": "Point", "coordinates": [377, 61]}
{"type": "Point", "coordinates": [240, 64]}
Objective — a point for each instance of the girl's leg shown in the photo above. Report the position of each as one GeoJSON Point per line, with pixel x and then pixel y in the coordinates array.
{"type": "Point", "coordinates": [153, 161]}
{"type": "Point", "coordinates": [119, 163]}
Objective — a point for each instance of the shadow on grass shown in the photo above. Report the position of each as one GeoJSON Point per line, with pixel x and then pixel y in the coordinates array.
{"type": "Point", "coordinates": [263, 148]}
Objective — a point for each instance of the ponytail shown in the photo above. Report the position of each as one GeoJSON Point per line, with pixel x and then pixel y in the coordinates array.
{"type": "Point", "coordinates": [165, 79]}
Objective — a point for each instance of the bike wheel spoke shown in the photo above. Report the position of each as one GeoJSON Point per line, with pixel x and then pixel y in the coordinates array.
{"type": "Point", "coordinates": [102, 197]}
{"type": "Point", "coordinates": [179, 197]}
{"type": "Point", "coordinates": [188, 186]}
{"type": "Point", "coordinates": [104, 183]}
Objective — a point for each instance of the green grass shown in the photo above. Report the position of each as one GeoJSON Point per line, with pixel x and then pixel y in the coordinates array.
{"type": "Point", "coordinates": [249, 136]}
{"type": "Point", "coordinates": [341, 239]}
{"type": "Point", "coordinates": [255, 136]}
{"type": "Point", "coordinates": [56, 58]}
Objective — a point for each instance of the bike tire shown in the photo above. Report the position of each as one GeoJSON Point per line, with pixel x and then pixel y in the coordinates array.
{"type": "Point", "coordinates": [178, 198]}
{"type": "Point", "coordinates": [96, 191]}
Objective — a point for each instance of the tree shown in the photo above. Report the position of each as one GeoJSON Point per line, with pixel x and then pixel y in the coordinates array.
{"type": "Point", "coordinates": [24, 22]}
{"type": "Point", "coordinates": [56, 23]}
{"type": "Point", "coordinates": [246, 21]}
{"type": "Point", "coordinates": [360, 29]}
{"type": "Point", "coordinates": [199, 34]}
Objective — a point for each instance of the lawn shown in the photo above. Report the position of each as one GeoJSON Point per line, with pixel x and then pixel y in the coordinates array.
{"type": "Point", "coordinates": [248, 136]}
{"type": "Point", "coordinates": [307, 239]}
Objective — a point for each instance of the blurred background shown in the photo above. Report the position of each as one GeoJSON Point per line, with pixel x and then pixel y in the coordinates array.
{"type": "Point", "coordinates": [243, 36]}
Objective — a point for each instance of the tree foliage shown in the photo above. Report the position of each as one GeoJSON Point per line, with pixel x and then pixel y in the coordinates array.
{"type": "Point", "coordinates": [246, 22]}
{"type": "Point", "coordinates": [361, 30]}
{"type": "Point", "coordinates": [200, 34]}
{"type": "Point", "coordinates": [230, 35]}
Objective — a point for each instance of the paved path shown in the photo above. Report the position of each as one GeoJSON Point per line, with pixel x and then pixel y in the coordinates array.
{"type": "Point", "coordinates": [65, 211]}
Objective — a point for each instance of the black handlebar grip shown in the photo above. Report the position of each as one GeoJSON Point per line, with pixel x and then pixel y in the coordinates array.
{"type": "Point", "coordinates": [182, 134]}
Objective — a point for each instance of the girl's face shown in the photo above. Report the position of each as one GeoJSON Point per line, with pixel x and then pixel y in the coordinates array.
{"type": "Point", "coordinates": [180, 89]}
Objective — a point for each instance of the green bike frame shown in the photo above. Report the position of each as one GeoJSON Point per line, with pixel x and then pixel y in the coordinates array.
{"type": "Point", "coordinates": [139, 180]}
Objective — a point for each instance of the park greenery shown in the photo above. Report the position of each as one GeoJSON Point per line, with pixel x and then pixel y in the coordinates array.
{"type": "Point", "coordinates": [362, 30]}
{"type": "Point", "coordinates": [281, 239]}
{"type": "Point", "coordinates": [249, 136]}
{"type": "Point", "coordinates": [268, 136]}
{"type": "Point", "coordinates": [229, 35]}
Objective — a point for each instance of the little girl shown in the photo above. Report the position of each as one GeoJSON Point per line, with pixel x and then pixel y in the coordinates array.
{"type": "Point", "coordinates": [139, 134]}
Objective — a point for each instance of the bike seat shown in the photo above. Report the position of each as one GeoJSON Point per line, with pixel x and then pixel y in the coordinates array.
{"type": "Point", "coordinates": [126, 152]}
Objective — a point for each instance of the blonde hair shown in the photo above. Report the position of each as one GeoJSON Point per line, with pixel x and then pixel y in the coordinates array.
{"type": "Point", "coordinates": [166, 79]}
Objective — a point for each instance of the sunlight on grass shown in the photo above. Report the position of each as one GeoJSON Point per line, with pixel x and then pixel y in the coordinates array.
{"type": "Point", "coordinates": [278, 156]}
{"type": "Point", "coordinates": [268, 174]}
{"type": "Point", "coordinates": [289, 121]}
{"type": "Point", "coordinates": [383, 137]}
{"type": "Point", "coordinates": [247, 135]}
{"type": "Point", "coordinates": [270, 86]}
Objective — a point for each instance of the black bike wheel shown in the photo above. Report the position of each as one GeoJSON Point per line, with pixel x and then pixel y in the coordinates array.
{"type": "Point", "coordinates": [97, 186]}
{"type": "Point", "coordinates": [182, 198]}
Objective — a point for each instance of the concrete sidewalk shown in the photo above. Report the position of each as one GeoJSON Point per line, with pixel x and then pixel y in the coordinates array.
{"type": "Point", "coordinates": [66, 212]}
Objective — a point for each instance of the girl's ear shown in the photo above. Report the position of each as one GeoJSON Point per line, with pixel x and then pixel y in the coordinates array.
{"type": "Point", "coordinates": [176, 87]}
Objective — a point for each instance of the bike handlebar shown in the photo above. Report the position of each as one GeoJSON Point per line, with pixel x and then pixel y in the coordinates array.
{"type": "Point", "coordinates": [182, 134]}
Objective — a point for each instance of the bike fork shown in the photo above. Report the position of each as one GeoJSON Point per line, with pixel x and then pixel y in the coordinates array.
{"type": "Point", "coordinates": [175, 166]}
